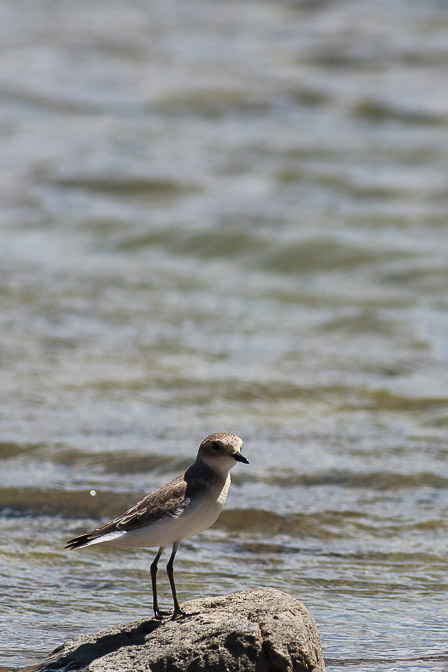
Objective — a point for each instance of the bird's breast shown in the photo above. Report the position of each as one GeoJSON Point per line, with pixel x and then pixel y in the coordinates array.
{"type": "Point", "coordinates": [202, 514]}
{"type": "Point", "coordinates": [223, 494]}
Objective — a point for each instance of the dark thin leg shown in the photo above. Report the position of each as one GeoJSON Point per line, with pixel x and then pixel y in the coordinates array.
{"type": "Point", "coordinates": [155, 604]}
{"type": "Point", "coordinates": [170, 571]}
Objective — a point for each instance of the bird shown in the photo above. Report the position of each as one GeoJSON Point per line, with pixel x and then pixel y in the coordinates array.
{"type": "Point", "coordinates": [185, 506]}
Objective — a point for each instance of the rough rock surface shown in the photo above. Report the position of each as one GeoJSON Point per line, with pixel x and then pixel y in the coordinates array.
{"type": "Point", "coordinates": [262, 630]}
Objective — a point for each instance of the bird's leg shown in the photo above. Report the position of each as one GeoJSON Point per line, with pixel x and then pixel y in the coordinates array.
{"type": "Point", "coordinates": [170, 571]}
{"type": "Point", "coordinates": [155, 604]}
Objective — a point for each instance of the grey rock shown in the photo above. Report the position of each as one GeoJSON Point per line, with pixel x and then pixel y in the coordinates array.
{"type": "Point", "coordinates": [261, 630]}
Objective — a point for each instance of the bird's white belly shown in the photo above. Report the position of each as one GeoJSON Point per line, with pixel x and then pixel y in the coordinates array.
{"type": "Point", "coordinates": [197, 517]}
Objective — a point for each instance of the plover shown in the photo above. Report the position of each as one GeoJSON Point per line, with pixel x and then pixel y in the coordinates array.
{"type": "Point", "coordinates": [178, 510]}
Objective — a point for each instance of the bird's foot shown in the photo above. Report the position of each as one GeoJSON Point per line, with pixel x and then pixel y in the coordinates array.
{"type": "Point", "coordinates": [180, 613]}
{"type": "Point", "coordinates": [159, 614]}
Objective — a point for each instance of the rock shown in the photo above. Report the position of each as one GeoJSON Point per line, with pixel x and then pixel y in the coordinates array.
{"type": "Point", "coordinates": [261, 630]}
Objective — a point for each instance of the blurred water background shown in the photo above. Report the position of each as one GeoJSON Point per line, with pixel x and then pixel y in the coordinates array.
{"type": "Point", "coordinates": [227, 216]}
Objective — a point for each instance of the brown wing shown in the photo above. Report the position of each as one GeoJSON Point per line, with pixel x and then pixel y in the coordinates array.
{"type": "Point", "coordinates": [166, 502]}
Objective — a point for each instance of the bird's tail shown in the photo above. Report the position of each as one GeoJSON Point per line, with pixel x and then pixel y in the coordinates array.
{"type": "Point", "coordinates": [80, 542]}
{"type": "Point", "coordinates": [96, 537]}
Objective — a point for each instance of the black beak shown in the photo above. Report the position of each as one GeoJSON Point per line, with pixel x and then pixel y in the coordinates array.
{"type": "Point", "coordinates": [240, 458]}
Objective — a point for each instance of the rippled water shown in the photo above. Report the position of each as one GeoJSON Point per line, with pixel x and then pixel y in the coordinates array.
{"type": "Point", "coordinates": [227, 216]}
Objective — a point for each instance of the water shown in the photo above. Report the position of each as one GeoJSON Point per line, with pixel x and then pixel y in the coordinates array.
{"type": "Point", "coordinates": [227, 216]}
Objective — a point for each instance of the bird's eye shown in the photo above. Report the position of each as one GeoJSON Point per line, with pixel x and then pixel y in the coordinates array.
{"type": "Point", "coordinates": [216, 446]}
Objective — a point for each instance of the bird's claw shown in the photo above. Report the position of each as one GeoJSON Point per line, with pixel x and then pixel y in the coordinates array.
{"type": "Point", "coordinates": [180, 613]}
{"type": "Point", "coordinates": [159, 614]}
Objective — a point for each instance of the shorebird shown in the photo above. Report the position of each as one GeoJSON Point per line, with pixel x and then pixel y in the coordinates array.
{"type": "Point", "coordinates": [178, 510]}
